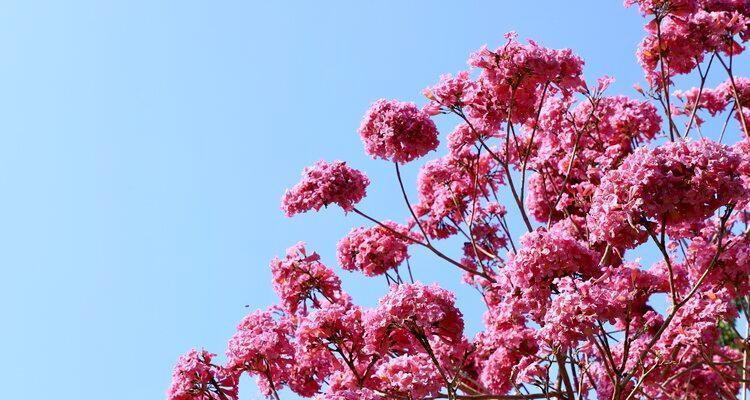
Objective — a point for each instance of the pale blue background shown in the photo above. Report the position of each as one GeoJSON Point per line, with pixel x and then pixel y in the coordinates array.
{"type": "Point", "coordinates": [144, 146]}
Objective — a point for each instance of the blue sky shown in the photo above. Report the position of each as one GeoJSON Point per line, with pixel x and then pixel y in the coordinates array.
{"type": "Point", "coordinates": [144, 146]}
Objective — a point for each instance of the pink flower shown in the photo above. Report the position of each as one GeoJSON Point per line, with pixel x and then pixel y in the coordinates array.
{"type": "Point", "coordinates": [451, 90]}
{"type": "Point", "coordinates": [603, 83]}
{"type": "Point", "coordinates": [618, 297]}
{"type": "Point", "coordinates": [729, 271]}
{"type": "Point", "coordinates": [261, 347]}
{"type": "Point", "coordinates": [397, 131]}
{"type": "Point", "coordinates": [681, 33]}
{"type": "Point", "coordinates": [349, 394]}
{"type": "Point", "coordinates": [601, 133]}
{"type": "Point", "coordinates": [195, 378]}
{"type": "Point", "coordinates": [520, 72]}
{"type": "Point", "coordinates": [716, 100]}
{"type": "Point", "coordinates": [412, 376]}
{"type": "Point", "coordinates": [374, 250]}
{"type": "Point", "coordinates": [504, 356]}
{"type": "Point", "coordinates": [676, 183]}
{"type": "Point", "coordinates": [487, 238]}
{"type": "Point", "coordinates": [300, 278]}
{"type": "Point", "coordinates": [332, 330]}
{"type": "Point", "coordinates": [259, 343]}
{"type": "Point", "coordinates": [463, 140]}
{"type": "Point", "coordinates": [543, 256]}
{"type": "Point", "coordinates": [413, 312]}
{"type": "Point", "coordinates": [446, 188]}
{"type": "Point", "coordinates": [324, 184]}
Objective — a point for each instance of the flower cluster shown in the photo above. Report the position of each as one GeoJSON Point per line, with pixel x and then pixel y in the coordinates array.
{"type": "Point", "coordinates": [375, 250]}
{"type": "Point", "coordinates": [451, 90]}
{"type": "Point", "coordinates": [505, 355]}
{"type": "Point", "coordinates": [675, 183]}
{"type": "Point", "coordinates": [600, 132]}
{"type": "Point", "coordinates": [619, 297]}
{"type": "Point", "coordinates": [324, 184]}
{"type": "Point", "coordinates": [299, 277]}
{"type": "Point", "coordinates": [515, 75]}
{"type": "Point", "coordinates": [261, 347]}
{"type": "Point", "coordinates": [336, 326]}
{"type": "Point", "coordinates": [397, 131]}
{"type": "Point", "coordinates": [544, 256]}
{"type": "Point", "coordinates": [195, 378]}
{"type": "Point", "coordinates": [411, 376]}
{"type": "Point", "coordinates": [715, 100]}
{"type": "Point", "coordinates": [448, 189]}
{"type": "Point", "coordinates": [427, 312]}
{"type": "Point", "coordinates": [681, 33]}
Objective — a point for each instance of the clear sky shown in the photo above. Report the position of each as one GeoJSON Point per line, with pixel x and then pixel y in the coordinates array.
{"type": "Point", "coordinates": [144, 146]}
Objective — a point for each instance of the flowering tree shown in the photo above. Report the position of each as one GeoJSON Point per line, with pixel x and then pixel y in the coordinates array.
{"type": "Point", "coordinates": [595, 178]}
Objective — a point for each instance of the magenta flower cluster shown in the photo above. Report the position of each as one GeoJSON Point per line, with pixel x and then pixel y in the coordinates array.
{"type": "Point", "coordinates": [397, 131]}
{"type": "Point", "coordinates": [324, 184]}
{"type": "Point", "coordinates": [681, 33]}
{"type": "Point", "coordinates": [677, 183]}
{"type": "Point", "coordinates": [375, 250]}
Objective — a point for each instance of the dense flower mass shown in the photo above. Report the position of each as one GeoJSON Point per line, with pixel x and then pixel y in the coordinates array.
{"type": "Point", "coordinates": [681, 33]}
{"type": "Point", "coordinates": [301, 277]}
{"type": "Point", "coordinates": [679, 182]}
{"type": "Point", "coordinates": [324, 184]}
{"type": "Point", "coordinates": [601, 133]}
{"type": "Point", "coordinates": [414, 312]}
{"type": "Point", "coordinates": [544, 256]}
{"type": "Point", "coordinates": [195, 378]}
{"type": "Point", "coordinates": [553, 194]}
{"type": "Point", "coordinates": [350, 394]}
{"type": "Point", "coordinates": [397, 131]}
{"type": "Point", "coordinates": [413, 376]}
{"type": "Point", "coordinates": [515, 76]}
{"type": "Point", "coordinates": [451, 91]}
{"type": "Point", "coordinates": [374, 250]}
{"type": "Point", "coordinates": [448, 187]}
{"type": "Point", "coordinates": [261, 347]}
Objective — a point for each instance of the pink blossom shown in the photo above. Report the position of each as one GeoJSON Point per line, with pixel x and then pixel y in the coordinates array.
{"type": "Point", "coordinates": [463, 140]}
{"type": "Point", "coordinates": [600, 134]}
{"type": "Point", "coordinates": [675, 183]}
{"type": "Point", "coordinates": [196, 378]}
{"type": "Point", "coordinates": [619, 297]}
{"type": "Point", "coordinates": [515, 75]}
{"type": "Point", "coordinates": [729, 271]}
{"type": "Point", "coordinates": [451, 90]}
{"type": "Point", "coordinates": [397, 131]}
{"type": "Point", "coordinates": [338, 327]}
{"type": "Point", "coordinates": [683, 32]}
{"type": "Point", "coordinates": [300, 277]}
{"type": "Point", "coordinates": [486, 239]}
{"type": "Point", "coordinates": [413, 376]}
{"type": "Point", "coordinates": [506, 355]}
{"type": "Point", "coordinates": [261, 347]}
{"type": "Point", "coordinates": [447, 187]}
{"type": "Point", "coordinates": [374, 250]}
{"type": "Point", "coordinates": [543, 256]}
{"type": "Point", "coordinates": [324, 184]}
{"type": "Point", "coordinates": [350, 394]}
{"type": "Point", "coordinates": [716, 100]}
{"type": "Point", "coordinates": [411, 312]}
